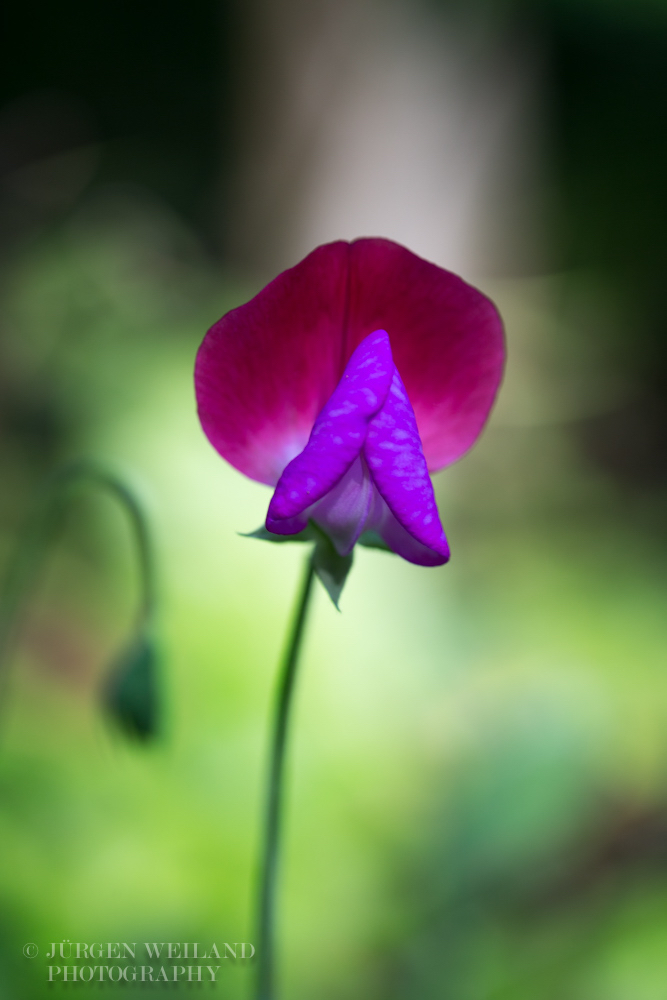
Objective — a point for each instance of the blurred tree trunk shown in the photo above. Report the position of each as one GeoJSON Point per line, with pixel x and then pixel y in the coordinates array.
{"type": "Point", "coordinates": [368, 117]}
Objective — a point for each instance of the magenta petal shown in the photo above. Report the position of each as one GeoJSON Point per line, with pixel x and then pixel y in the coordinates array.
{"type": "Point", "coordinates": [265, 370]}
{"type": "Point", "coordinates": [394, 454]}
{"type": "Point", "coordinates": [446, 339]}
{"type": "Point", "coordinates": [339, 432]}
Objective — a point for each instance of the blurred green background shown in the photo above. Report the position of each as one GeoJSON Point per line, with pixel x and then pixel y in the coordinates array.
{"type": "Point", "coordinates": [477, 800]}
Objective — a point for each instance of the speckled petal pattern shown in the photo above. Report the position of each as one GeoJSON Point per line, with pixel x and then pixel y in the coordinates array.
{"type": "Point", "coordinates": [393, 451]}
{"type": "Point", "coordinates": [340, 429]}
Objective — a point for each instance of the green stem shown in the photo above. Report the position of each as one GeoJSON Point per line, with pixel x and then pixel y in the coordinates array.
{"type": "Point", "coordinates": [269, 869]}
{"type": "Point", "coordinates": [33, 544]}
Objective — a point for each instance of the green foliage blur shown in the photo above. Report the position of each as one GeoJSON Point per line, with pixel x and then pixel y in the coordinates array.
{"type": "Point", "coordinates": [477, 794]}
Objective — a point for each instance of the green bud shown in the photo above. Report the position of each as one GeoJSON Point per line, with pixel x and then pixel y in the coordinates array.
{"type": "Point", "coordinates": [131, 693]}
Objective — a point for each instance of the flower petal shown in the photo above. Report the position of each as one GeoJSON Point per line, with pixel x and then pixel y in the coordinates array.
{"type": "Point", "coordinates": [446, 338]}
{"type": "Point", "coordinates": [287, 525]}
{"type": "Point", "coordinates": [401, 541]}
{"type": "Point", "coordinates": [265, 370]}
{"type": "Point", "coordinates": [339, 432]}
{"type": "Point", "coordinates": [397, 465]}
{"type": "Point", "coordinates": [343, 512]}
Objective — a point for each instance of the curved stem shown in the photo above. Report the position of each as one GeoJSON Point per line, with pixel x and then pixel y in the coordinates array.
{"type": "Point", "coordinates": [41, 526]}
{"type": "Point", "coordinates": [269, 869]}
{"type": "Point", "coordinates": [95, 473]}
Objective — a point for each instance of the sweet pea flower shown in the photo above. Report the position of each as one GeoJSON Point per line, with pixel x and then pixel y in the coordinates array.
{"type": "Point", "coordinates": [344, 383]}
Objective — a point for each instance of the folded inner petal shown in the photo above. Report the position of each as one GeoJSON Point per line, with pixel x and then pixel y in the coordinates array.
{"type": "Point", "coordinates": [339, 432]}
{"type": "Point", "coordinates": [343, 512]}
{"type": "Point", "coordinates": [393, 451]}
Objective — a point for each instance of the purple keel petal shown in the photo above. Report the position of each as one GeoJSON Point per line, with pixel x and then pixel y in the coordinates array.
{"type": "Point", "coordinates": [394, 454]}
{"type": "Point", "coordinates": [338, 436]}
{"type": "Point", "coordinates": [287, 525]}
{"type": "Point", "coordinates": [342, 513]}
{"type": "Point", "coordinates": [399, 540]}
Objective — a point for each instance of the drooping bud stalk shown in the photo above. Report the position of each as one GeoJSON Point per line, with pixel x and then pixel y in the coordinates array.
{"type": "Point", "coordinates": [129, 693]}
